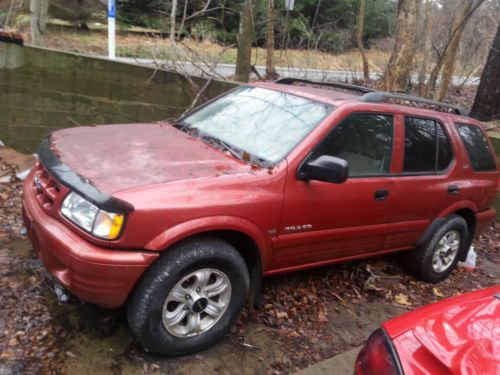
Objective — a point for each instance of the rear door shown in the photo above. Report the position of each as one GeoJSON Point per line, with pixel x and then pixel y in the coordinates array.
{"type": "Point", "coordinates": [428, 183]}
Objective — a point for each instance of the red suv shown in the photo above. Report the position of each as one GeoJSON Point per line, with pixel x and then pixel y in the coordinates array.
{"type": "Point", "coordinates": [182, 220]}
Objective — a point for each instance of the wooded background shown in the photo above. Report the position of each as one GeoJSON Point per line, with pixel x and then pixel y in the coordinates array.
{"type": "Point", "coordinates": [427, 41]}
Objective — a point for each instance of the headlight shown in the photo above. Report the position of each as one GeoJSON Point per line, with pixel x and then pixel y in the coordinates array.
{"type": "Point", "coordinates": [102, 224]}
{"type": "Point", "coordinates": [80, 211]}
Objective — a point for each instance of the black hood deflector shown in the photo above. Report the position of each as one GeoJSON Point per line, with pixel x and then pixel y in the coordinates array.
{"type": "Point", "coordinates": [66, 176]}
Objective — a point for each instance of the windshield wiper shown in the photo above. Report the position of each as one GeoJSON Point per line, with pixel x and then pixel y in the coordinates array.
{"type": "Point", "coordinates": [236, 152]}
{"type": "Point", "coordinates": [180, 124]}
{"type": "Point", "coordinates": [220, 144]}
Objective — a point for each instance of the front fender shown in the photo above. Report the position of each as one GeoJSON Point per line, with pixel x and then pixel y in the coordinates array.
{"type": "Point", "coordinates": [212, 223]}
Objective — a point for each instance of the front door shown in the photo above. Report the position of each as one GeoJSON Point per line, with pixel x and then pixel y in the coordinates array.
{"type": "Point", "coordinates": [323, 221]}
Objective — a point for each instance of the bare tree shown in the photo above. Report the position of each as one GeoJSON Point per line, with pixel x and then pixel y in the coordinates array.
{"type": "Point", "coordinates": [38, 19]}
{"type": "Point", "coordinates": [457, 27]}
{"type": "Point", "coordinates": [486, 104]}
{"type": "Point", "coordinates": [184, 15]}
{"type": "Point", "coordinates": [450, 57]}
{"type": "Point", "coordinates": [398, 70]}
{"type": "Point", "coordinates": [270, 71]}
{"type": "Point", "coordinates": [245, 40]}
{"type": "Point", "coordinates": [425, 45]}
{"type": "Point", "coordinates": [359, 39]}
{"type": "Point", "coordinates": [8, 15]}
{"type": "Point", "coordinates": [173, 13]}
{"type": "Point", "coordinates": [198, 13]}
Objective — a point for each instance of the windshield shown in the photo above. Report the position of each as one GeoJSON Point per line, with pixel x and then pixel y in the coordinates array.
{"type": "Point", "coordinates": [264, 123]}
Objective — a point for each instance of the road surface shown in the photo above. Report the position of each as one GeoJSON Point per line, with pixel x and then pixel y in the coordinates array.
{"type": "Point", "coordinates": [227, 70]}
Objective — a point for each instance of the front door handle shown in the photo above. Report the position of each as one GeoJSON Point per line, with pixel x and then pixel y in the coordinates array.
{"type": "Point", "coordinates": [452, 190]}
{"type": "Point", "coordinates": [381, 195]}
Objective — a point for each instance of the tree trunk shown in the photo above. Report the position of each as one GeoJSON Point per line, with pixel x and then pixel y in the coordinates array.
{"type": "Point", "coordinates": [426, 47]}
{"type": "Point", "coordinates": [38, 19]}
{"type": "Point", "coordinates": [270, 71]}
{"type": "Point", "coordinates": [451, 55]}
{"type": "Point", "coordinates": [486, 106]}
{"type": "Point", "coordinates": [245, 40]}
{"type": "Point", "coordinates": [361, 31]}
{"type": "Point", "coordinates": [8, 15]}
{"type": "Point", "coordinates": [397, 73]}
{"type": "Point", "coordinates": [172, 20]}
{"type": "Point", "coordinates": [181, 26]}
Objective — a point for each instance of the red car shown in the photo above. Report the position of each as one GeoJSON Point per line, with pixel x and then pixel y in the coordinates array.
{"type": "Point", "coordinates": [456, 336]}
{"type": "Point", "coordinates": [182, 220]}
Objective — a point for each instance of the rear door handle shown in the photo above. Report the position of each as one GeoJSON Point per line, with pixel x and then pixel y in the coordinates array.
{"type": "Point", "coordinates": [381, 195]}
{"type": "Point", "coordinates": [452, 190]}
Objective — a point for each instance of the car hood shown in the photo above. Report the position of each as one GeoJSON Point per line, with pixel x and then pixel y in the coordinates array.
{"type": "Point", "coordinates": [119, 157]}
{"type": "Point", "coordinates": [462, 333]}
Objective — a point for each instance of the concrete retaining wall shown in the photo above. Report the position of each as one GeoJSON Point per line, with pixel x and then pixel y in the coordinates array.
{"type": "Point", "coordinates": [43, 89]}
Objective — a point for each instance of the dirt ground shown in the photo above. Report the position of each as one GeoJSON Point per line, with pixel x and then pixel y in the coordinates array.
{"type": "Point", "coordinates": [305, 317]}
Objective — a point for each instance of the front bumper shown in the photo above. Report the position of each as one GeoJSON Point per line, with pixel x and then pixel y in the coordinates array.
{"type": "Point", "coordinates": [94, 274]}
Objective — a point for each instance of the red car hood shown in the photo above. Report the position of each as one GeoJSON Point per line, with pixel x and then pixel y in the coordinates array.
{"type": "Point", "coordinates": [462, 334]}
{"type": "Point", "coordinates": [119, 157]}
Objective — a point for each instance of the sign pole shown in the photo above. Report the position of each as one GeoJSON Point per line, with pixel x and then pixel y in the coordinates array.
{"type": "Point", "coordinates": [111, 29]}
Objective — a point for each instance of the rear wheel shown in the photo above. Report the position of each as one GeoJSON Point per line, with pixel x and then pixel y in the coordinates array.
{"type": "Point", "coordinates": [189, 298]}
{"type": "Point", "coordinates": [435, 259]}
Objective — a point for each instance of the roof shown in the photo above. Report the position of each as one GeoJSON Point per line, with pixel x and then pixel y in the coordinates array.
{"type": "Point", "coordinates": [318, 93]}
{"type": "Point", "coordinates": [331, 92]}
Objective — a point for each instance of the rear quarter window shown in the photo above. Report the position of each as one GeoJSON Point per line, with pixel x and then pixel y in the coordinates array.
{"type": "Point", "coordinates": [477, 147]}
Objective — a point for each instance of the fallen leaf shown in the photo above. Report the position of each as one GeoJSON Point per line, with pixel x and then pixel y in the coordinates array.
{"type": "Point", "coordinates": [336, 295]}
{"type": "Point", "coordinates": [322, 318]}
{"type": "Point", "coordinates": [6, 355]}
{"type": "Point", "coordinates": [437, 292]}
{"type": "Point", "coordinates": [281, 315]}
{"type": "Point", "coordinates": [402, 299]}
{"type": "Point", "coordinates": [370, 284]}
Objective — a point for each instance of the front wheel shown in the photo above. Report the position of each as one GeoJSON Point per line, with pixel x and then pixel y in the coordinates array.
{"type": "Point", "coordinates": [435, 259]}
{"type": "Point", "coordinates": [189, 298]}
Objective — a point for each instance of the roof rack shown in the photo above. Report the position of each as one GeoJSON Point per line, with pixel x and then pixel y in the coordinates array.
{"type": "Point", "coordinates": [374, 96]}
{"type": "Point", "coordinates": [346, 86]}
{"type": "Point", "coordinates": [380, 97]}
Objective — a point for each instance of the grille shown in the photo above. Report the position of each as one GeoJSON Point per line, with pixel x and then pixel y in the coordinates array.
{"type": "Point", "coordinates": [47, 190]}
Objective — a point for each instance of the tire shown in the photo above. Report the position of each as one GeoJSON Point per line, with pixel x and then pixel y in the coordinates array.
{"type": "Point", "coordinates": [423, 262]}
{"type": "Point", "coordinates": [198, 267]}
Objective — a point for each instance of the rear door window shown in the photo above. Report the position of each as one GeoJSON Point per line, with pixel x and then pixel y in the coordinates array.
{"type": "Point", "coordinates": [427, 148]}
{"type": "Point", "coordinates": [364, 140]}
{"type": "Point", "coordinates": [477, 147]}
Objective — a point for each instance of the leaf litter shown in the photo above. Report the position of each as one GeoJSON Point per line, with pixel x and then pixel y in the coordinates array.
{"type": "Point", "coordinates": [295, 307]}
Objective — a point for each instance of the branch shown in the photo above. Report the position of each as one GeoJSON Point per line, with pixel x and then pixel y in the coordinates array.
{"type": "Point", "coordinates": [204, 9]}
{"type": "Point", "coordinates": [207, 83]}
{"type": "Point", "coordinates": [254, 70]}
{"type": "Point", "coordinates": [462, 23]}
{"type": "Point", "coordinates": [436, 50]}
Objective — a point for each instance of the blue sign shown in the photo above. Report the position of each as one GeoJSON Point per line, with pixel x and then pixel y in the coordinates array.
{"type": "Point", "coordinates": [111, 9]}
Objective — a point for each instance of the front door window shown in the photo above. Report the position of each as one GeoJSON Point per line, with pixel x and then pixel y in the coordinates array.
{"type": "Point", "coordinates": [364, 140]}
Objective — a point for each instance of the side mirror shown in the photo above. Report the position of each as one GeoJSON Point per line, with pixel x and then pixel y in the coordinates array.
{"type": "Point", "coordinates": [325, 168]}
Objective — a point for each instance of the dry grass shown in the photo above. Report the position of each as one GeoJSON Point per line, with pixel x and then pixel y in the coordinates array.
{"type": "Point", "coordinates": [145, 46]}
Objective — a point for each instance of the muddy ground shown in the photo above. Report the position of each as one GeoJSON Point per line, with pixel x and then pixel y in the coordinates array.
{"type": "Point", "coordinates": [305, 317]}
